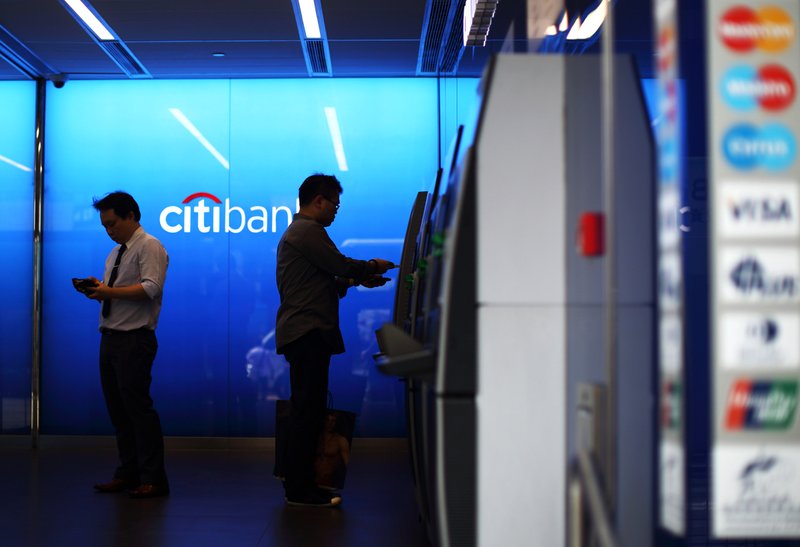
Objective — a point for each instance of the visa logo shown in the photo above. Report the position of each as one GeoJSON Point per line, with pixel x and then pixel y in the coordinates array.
{"type": "Point", "coordinates": [765, 209]}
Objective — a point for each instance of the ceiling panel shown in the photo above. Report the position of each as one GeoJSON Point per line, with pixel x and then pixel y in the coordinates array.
{"type": "Point", "coordinates": [175, 38]}
{"type": "Point", "coordinates": [179, 20]}
{"type": "Point", "coordinates": [374, 19]}
{"type": "Point", "coordinates": [374, 58]}
{"type": "Point", "coordinates": [245, 59]}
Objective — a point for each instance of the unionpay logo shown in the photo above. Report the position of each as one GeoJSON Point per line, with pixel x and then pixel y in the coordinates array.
{"type": "Point", "coordinates": [770, 87]}
{"type": "Point", "coordinates": [206, 213]}
{"type": "Point", "coordinates": [769, 29]}
{"type": "Point", "coordinates": [671, 404]}
{"type": "Point", "coordinates": [761, 404]}
{"type": "Point", "coordinates": [746, 147]}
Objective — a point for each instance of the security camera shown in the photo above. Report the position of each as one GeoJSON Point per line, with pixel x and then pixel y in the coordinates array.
{"type": "Point", "coordinates": [59, 80]}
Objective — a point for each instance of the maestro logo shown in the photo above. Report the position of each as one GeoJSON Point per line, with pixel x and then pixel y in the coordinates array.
{"type": "Point", "coordinates": [769, 29]}
{"type": "Point", "coordinates": [761, 405]}
{"type": "Point", "coordinates": [770, 87]}
{"type": "Point", "coordinates": [746, 146]}
{"type": "Point", "coordinates": [206, 213]}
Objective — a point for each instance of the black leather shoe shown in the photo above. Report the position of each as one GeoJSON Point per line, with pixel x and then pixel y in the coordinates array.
{"type": "Point", "coordinates": [116, 485]}
{"type": "Point", "coordinates": [315, 498]}
{"type": "Point", "coordinates": [148, 491]}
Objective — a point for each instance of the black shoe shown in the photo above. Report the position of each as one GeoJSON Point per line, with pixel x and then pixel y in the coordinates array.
{"type": "Point", "coordinates": [315, 498]}
{"type": "Point", "coordinates": [115, 485]}
{"type": "Point", "coordinates": [148, 491]}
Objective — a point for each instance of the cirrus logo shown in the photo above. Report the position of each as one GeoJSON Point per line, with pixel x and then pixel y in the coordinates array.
{"type": "Point", "coordinates": [209, 214]}
{"type": "Point", "coordinates": [771, 87]}
{"type": "Point", "coordinates": [769, 29]}
{"type": "Point", "coordinates": [747, 146]}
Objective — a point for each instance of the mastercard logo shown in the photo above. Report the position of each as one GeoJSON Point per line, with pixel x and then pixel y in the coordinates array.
{"type": "Point", "coordinates": [666, 49]}
{"type": "Point", "coordinates": [771, 87]}
{"type": "Point", "coordinates": [769, 29]}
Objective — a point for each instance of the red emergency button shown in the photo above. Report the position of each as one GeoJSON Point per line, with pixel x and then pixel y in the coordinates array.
{"type": "Point", "coordinates": [590, 234]}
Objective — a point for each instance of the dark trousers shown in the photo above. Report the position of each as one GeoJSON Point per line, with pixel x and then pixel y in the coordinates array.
{"type": "Point", "coordinates": [126, 359]}
{"type": "Point", "coordinates": [309, 358]}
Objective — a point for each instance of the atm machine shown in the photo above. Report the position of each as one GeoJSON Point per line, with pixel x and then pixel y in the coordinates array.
{"type": "Point", "coordinates": [508, 315]}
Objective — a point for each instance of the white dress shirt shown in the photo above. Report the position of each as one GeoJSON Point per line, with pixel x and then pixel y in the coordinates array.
{"type": "Point", "coordinates": [144, 261]}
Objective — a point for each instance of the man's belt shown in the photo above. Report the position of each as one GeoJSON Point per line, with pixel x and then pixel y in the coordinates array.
{"type": "Point", "coordinates": [115, 332]}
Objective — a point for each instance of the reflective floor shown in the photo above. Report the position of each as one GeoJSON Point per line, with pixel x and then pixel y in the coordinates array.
{"type": "Point", "coordinates": [222, 495]}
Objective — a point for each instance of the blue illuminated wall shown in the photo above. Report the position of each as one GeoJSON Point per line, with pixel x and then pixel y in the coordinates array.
{"type": "Point", "coordinates": [17, 124]}
{"type": "Point", "coordinates": [216, 373]}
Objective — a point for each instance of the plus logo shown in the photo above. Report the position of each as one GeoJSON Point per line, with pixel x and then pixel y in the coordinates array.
{"type": "Point", "coordinates": [765, 331]}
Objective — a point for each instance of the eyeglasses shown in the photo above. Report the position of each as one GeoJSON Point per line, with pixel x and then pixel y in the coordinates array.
{"type": "Point", "coordinates": [335, 203]}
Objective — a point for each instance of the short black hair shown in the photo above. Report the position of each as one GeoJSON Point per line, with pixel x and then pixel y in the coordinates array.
{"type": "Point", "coordinates": [122, 203]}
{"type": "Point", "coordinates": [319, 184]}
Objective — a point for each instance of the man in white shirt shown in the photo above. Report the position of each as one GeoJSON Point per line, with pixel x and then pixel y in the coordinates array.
{"type": "Point", "coordinates": [130, 294]}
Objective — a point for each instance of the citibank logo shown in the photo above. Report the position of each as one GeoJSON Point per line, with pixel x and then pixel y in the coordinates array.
{"type": "Point", "coordinates": [209, 214]}
{"type": "Point", "coordinates": [769, 29]}
{"type": "Point", "coordinates": [771, 87]}
{"type": "Point", "coordinates": [747, 146]}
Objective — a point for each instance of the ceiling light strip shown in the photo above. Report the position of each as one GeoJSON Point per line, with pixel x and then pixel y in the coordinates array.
{"type": "Point", "coordinates": [190, 127]}
{"type": "Point", "coordinates": [336, 137]}
{"type": "Point", "coordinates": [91, 19]}
{"type": "Point", "coordinates": [308, 12]}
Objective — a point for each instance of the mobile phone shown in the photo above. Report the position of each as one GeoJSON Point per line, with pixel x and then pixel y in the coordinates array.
{"type": "Point", "coordinates": [81, 284]}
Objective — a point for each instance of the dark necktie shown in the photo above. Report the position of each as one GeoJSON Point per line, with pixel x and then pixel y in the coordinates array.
{"type": "Point", "coordinates": [112, 278]}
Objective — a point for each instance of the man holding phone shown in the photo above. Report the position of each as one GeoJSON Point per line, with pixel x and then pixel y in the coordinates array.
{"type": "Point", "coordinates": [130, 294]}
{"type": "Point", "coordinates": [312, 276]}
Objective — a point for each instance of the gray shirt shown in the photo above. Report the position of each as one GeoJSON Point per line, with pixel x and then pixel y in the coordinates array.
{"type": "Point", "coordinates": [307, 267]}
{"type": "Point", "coordinates": [144, 261]}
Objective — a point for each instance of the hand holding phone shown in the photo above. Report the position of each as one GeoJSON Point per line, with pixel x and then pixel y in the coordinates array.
{"type": "Point", "coordinates": [374, 281]}
{"type": "Point", "coordinates": [81, 284]}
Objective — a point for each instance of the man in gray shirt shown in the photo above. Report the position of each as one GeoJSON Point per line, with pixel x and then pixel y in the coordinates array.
{"type": "Point", "coordinates": [131, 293]}
{"type": "Point", "coordinates": [312, 276]}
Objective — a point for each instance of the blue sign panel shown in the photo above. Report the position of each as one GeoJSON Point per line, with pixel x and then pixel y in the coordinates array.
{"type": "Point", "coordinates": [215, 166]}
{"type": "Point", "coordinates": [17, 124]}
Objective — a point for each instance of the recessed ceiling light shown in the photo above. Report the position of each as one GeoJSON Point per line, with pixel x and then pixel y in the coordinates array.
{"type": "Point", "coordinates": [90, 19]}
{"type": "Point", "coordinates": [308, 12]}
{"type": "Point", "coordinates": [218, 54]}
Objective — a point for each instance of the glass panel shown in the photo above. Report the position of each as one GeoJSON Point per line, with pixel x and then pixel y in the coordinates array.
{"type": "Point", "coordinates": [217, 183]}
{"type": "Point", "coordinates": [17, 127]}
